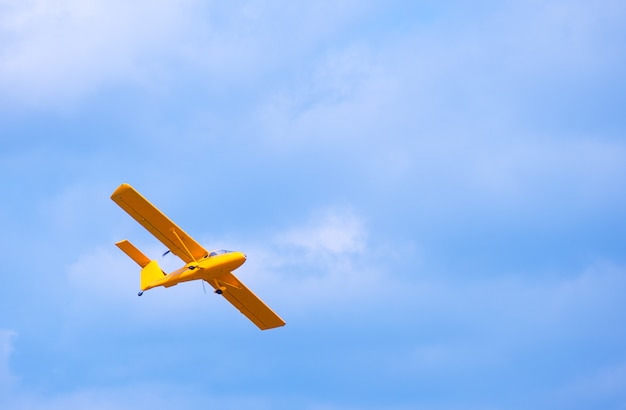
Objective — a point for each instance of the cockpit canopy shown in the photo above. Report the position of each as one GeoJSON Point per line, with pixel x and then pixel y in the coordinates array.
{"type": "Point", "coordinates": [219, 252]}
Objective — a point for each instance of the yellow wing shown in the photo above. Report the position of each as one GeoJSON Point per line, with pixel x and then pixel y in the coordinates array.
{"type": "Point", "coordinates": [248, 303]}
{"type": "Point", "coordinates": [159, 225]}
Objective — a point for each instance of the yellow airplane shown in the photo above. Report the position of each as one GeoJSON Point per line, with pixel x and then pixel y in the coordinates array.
{"type": "Point", "coordinates": [213, 267]}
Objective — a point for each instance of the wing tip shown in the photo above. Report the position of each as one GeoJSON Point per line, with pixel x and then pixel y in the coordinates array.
{"type": "Point", "coordinates": [121, 189]}
{"type": "Point", "coordinates": [273, 326]}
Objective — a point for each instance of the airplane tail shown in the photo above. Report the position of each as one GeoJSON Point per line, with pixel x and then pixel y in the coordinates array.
{"type": "Point", "coordinates": [150, 274]}
{"type": "Point", "coordinates": [150, 270]}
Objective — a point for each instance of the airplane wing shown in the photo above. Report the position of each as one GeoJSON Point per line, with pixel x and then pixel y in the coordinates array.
{"type": "Point", "coordinates": [159, 225]}
{"type": "Point", "coordinates": [248, 303]}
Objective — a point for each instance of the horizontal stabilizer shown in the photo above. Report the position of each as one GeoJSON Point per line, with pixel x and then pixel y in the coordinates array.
{"type": "Point", "coordinates": [134, 253]}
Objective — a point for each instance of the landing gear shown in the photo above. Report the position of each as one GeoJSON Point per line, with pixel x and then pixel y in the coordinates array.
{"type": "Point", "coordinates": [140, 293]}
{"type": "Point", "coordinates": [220, 290]}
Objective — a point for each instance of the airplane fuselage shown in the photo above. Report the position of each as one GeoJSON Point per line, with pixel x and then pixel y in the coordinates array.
{"type": "Point", "coordinates": [210, 268]}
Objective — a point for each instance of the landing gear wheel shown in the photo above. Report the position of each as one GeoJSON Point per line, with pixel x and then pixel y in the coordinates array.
{"type": "Point", "coordinates": [140, 293]}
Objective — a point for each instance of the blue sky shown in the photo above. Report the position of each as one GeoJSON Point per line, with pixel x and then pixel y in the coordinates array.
{"type": "Point", "coordinates": [431, 194]}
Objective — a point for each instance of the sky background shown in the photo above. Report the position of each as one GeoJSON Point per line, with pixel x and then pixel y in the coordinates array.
{"type": "Point", "coordinates": [432, 194]}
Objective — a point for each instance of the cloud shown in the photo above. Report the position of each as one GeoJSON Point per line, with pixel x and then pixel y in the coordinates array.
{"type": "Point", "coordinates": [335, 231]}
{"type": "Point", "coordinates": [441, 115]}
{"type": "Point", "coordinates": [433, 134]}
{"type": "Point", "coordinates": [325, 263]}
{"type": "Point", "coordinates": [54, 51]}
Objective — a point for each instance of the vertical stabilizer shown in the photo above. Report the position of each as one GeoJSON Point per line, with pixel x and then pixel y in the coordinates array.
{"type": "Point", "coordinates": [150, 274]}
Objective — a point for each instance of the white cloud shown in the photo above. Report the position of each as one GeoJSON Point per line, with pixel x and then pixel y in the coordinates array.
{"type": "Point", "coordinates": [454, 110]}
{"type": "Point", "coordinates": [426, 116]}
{"type": "Point", "coordinates": [332, 232]}
{"type": "Point", "coordinates": [54, 51]}
{"type": "Point", "coordinates": [324, 264]}
{"type": "Point", "coordinates": [343, 101]}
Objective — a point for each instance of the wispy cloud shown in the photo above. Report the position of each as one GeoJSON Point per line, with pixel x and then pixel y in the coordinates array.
{"type": "Point", "coordinates": [53, 51]}
{"type": "Point", "coordinates": [431, 195]}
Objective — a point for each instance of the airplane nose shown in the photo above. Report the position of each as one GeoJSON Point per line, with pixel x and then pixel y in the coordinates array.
{"type": "Point", "coordinates": [239, 259]}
